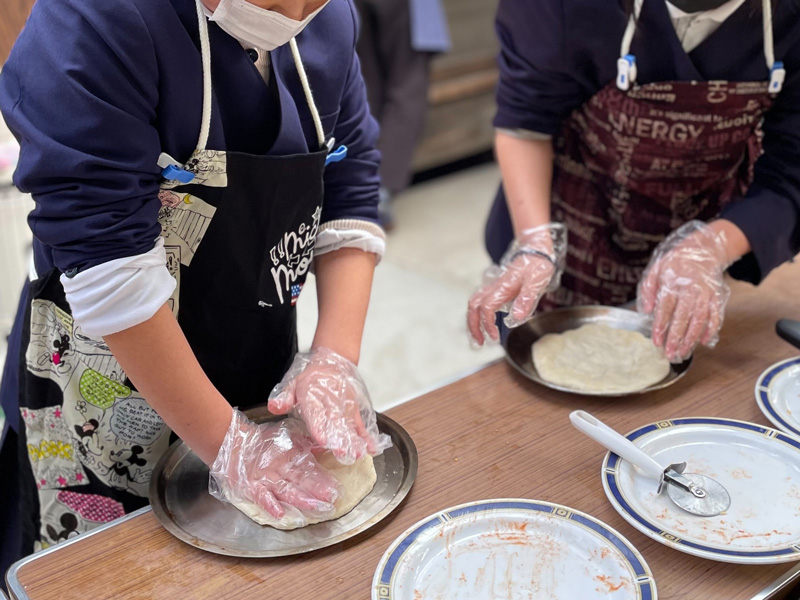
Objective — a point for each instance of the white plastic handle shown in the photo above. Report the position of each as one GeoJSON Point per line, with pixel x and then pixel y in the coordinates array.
{"type": "Point", "coordinates": [619, 444]}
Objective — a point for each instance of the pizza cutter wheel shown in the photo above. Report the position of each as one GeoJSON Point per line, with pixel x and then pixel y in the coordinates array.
{"type": "Point", "coordinates": [694, 493]}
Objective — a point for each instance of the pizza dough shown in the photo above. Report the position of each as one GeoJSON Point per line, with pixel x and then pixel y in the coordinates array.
{"type": "Point", "coordinates": [600, 359]}
{"type": "Point", "coordinates": [357, 481]}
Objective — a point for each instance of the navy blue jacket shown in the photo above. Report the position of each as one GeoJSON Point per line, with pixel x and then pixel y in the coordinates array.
{"type": "Point", "coordinates": [95, 90]}
{"type": "Point", "coordinates": [556, 54]}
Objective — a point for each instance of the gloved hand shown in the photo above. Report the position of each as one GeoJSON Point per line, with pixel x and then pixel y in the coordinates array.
{"type": "Point", "coordinates": [326, 392]}
{"type": "Point", "coordinates": [271, 465]}
{"type": "Point", "coordinates": [531, 266]}
{"type": "Point", "coordinates": [684, 290]}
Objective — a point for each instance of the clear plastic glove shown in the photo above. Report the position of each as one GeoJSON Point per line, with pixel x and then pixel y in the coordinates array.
{"type": "Point", "coordinates": [684, 290]}
{"type": "Point", "coordinates": [326, 392]}
{"type": "Point", "coordinates": [531, 267]}
{"type": "Point", "coordinates": [271, 465]}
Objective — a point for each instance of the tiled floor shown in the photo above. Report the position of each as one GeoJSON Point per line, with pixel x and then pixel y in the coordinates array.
{"type": "Point", "coordinates": [415, 335]}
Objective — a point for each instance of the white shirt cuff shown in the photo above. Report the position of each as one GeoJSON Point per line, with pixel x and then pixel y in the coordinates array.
{"type": "Point", "coordinates": [121, 293]}
{"type": "Point", "coordinates": [351, 234]}
{"type": "Point", "coordinates": [526, 134]}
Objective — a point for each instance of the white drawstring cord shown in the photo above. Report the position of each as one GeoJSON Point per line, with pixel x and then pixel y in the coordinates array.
{"type": "Point", "coordinates": [626, 64]}
{"type": "Point", "coordinates": [769, 45]}
{"type": "Point", "coordinates": [301, 71]}
{"type": "Point", "coordinates": [205, 52]}
{"type": "Point", "coordinates": [630, 30]}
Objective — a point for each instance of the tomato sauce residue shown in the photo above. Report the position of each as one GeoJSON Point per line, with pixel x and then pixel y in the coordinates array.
{"type": "Point", "coordinates": [417, 595]}
{"type": "Point", "coordinates": [513, 538]}
{"type": "Point", "coordinates": [740, 474]}
{"type": "Point", "coordinates": [609, 584]}
{"type": "Point", "coordinates": [742, 534]}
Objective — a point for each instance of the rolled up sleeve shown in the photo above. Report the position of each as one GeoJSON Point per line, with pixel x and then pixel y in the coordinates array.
{"type": "Point", "coordinates": [79, 92]}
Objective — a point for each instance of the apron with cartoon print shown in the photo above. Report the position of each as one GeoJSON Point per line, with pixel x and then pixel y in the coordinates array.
{"type": "Point", "coordinates": [636, 162]}
{"type": "Point", "coordinates": [239, 232]}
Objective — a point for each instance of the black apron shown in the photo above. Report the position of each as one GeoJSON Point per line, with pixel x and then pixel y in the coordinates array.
{"type": "Point", "coordinates": [239, 239]}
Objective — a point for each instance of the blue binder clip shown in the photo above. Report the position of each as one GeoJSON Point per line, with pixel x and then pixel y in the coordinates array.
{"type": "Point", "coordinates": [173, 173]}
{"type": "Point", "coordinates": [777, 76]}
{"type": "Point", "coordinates": [337, 155]}
{"type": "Point", "coordinates": [172, 170]}
{"type": "Point", "coordinates": [626, 72]}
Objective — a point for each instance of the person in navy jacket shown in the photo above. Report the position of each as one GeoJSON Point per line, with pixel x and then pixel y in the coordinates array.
{"type": "Point", "coordinates": [398, 39]}
{"type": "Point", "coordinates": [643, 144]}
{"type": "Point", "coordinates": [190, 162]}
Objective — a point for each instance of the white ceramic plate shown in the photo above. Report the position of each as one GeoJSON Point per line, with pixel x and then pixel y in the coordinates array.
{"type": "Point", "coordinates": [778, 395]}
{"type": "Point", "coordinates": [509, 549]}
{"type": "Point", "coordinates": [760, 468]}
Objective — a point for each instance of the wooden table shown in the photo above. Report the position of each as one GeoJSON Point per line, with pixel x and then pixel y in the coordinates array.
{"type": "Point", "coordinates": [489, 435]}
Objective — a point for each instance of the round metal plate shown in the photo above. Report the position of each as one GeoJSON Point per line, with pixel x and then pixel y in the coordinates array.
{"type": "Point", "coordinates": [520, 340]}
{"type": "Point", "coordinates": [181, 502]}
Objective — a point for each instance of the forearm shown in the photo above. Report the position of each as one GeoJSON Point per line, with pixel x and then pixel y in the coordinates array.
{"type": "Point", "coordinates": [527, 169]}
{"type": "Point", "coordinates": [159, 361]}
{"type": "Point", "coordinates": [735, 241]}
{"type": "Point", "coordinates": [344, 283]}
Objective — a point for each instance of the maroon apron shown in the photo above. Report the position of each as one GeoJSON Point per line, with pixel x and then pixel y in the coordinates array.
{"type": "Point", "coordinates": [632, 166]}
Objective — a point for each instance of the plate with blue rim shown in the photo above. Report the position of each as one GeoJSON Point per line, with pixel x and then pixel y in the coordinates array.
{"type": "Point", "coordinates": [778, 395]}
{"type": "Point", "coordinates": [760, 468]}
{"type": "Point", "coordinates": [512, 548]}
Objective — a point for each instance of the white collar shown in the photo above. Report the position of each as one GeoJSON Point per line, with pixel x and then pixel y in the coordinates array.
{"type": "Point", "coordinates": [719, 14]}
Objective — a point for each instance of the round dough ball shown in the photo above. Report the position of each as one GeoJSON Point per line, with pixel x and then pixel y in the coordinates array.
{"type": "Point", "coordinates": [356, 482]}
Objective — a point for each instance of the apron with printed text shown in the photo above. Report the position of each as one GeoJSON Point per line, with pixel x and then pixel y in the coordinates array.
{"type": "Point", "coordinates": [634, 163]}
{"type": "Point", "coordinates": [239, 239]}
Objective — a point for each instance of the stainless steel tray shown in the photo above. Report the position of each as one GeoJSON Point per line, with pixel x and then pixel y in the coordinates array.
{"type": "Point", "coordinates": [181, 502]}
{"type": "Point", "coordinates": [519, 341]}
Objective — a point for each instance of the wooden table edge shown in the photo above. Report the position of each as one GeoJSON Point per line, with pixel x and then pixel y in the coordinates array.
{"type": "Point", "coordinates": [16, 591]}
{"type": "Point", "coordinates": [15, 588]}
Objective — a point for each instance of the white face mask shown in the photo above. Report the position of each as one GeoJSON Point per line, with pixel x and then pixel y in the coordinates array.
{"type": "Point", "coordinates": [258, 27]}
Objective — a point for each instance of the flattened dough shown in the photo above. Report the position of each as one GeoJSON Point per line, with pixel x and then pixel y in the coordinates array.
{"type": "Point", "coordinates": [357, 481]}
{"type": "Point", "coordinates": [599, 359]}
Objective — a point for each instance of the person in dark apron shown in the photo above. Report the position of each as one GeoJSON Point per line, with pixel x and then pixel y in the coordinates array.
{"type": "Point", "coordinates": [663, 185]}
{"type": "Point", "coordinates": [115, 356]}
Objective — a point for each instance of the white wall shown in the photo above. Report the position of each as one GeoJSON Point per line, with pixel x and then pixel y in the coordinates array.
{"type": "Point", "coordinates": [15, 237]}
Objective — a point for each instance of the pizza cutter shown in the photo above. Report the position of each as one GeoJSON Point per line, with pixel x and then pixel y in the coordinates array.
{"type": "Point", "coordinates": [694, 493]}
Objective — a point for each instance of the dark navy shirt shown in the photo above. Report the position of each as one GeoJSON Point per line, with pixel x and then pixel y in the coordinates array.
{"type": "Point", "coordinates": [95, 90]}
{"type": "Point", "coordinates": [556, 54]}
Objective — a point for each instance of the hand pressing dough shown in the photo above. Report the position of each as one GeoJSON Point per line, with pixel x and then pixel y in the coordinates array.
{"type": "Point", "coordinates": [356, 482]}
{"type": "Point", "coordinates": [600, 359]}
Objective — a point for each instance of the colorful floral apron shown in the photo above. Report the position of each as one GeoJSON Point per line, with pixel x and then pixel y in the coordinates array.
{"type": "Point", "coordinates": [239, 232]}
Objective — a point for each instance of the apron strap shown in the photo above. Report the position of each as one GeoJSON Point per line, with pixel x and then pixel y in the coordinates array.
{"type": "Point", "coordinates": [626, 64]}
{"type": "Point", "coordinates": [173, 170]}
{"type": "Point", "coordinates": [205, 51]}
{"type": "Point", "coordinates": [777, 74]}
{"type": "Point", "coordinates": [301, 72]}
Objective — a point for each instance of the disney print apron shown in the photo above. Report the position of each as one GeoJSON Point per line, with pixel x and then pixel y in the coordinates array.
{"type": "Point", "coordinates": [239, 232]}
